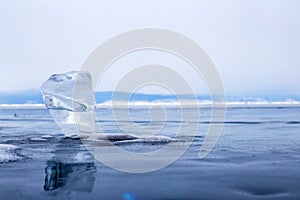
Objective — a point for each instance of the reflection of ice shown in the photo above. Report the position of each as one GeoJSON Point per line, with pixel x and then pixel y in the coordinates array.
{"type": "Point", "coordinates": [72, 168]}
{"type": "Point", "coordinates": [62, 102]}
{"type": "Point", "coordinates": [73, 176]}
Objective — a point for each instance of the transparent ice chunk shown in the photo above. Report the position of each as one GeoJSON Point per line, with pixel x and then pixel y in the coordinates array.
{"type": "Point", "coordinates": [70, 99]}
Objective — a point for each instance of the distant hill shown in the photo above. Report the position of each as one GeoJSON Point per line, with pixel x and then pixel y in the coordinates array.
{"type": "Point", "coordinates": [35, 97]}
{"type": "Point", "coordinates": [21, 97]}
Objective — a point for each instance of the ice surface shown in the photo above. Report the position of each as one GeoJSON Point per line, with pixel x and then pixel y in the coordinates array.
{"type": "Point", "coordinates": [70, 95]}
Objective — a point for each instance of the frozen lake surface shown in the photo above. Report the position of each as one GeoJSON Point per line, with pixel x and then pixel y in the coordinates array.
{"type": "Point", "coordinates": [256, 157]}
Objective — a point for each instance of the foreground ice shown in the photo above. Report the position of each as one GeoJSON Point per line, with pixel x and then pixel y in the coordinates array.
{"type": "Point", "coordinates": [66, 95]}
{"type": "Point", "coordinates": [8, 153]}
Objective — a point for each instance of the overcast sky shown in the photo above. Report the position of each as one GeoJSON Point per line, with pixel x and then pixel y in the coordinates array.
{"type": "Point", "coordinates": [255, 44]}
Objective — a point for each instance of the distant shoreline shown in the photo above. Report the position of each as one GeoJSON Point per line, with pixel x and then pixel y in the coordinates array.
{"type": "Point", "coordinates": [123, 104]}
